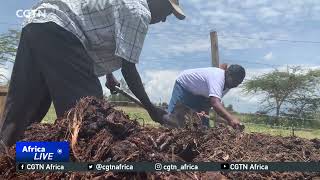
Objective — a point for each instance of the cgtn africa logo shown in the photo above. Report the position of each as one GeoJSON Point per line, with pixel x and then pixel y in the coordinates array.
{"type": "Point", "coordinates": [31, 13]}
{"type": "Point", "coordinates": [42, 151]}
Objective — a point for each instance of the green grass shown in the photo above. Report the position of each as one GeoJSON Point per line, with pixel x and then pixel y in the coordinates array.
{"type": "Point", "coordinates": [142, 116]}
{"type": "Point", "coordinates": [136, 112]}
{"type": "Point", "coordinates": [282, 132]}
{"type": "Point", "coordinates": [139, 114]}
{"type": "Point", "coordinates": [51, 116]}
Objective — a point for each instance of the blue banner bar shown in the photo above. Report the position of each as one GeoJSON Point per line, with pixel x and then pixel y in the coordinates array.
{"type": "Point", "coordinates": [169, 167]}
{"type": "Point", "coordinates": [42, 151]}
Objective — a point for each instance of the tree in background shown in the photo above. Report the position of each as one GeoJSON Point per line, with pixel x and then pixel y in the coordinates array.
{"type": "Point", "coordinates": [230, 108]}
{"type": "Point", "coordinates": [305, 103]}
{"type": "Point", "coordinates": [284, 88]}
{"type": "Point", "coordinates": [8, 47]}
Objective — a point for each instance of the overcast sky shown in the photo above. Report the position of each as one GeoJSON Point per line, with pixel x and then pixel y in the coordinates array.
{"type": "Point", "coordinates": [245, 31]}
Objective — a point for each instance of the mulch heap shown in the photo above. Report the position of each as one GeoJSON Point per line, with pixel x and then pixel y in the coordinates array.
{"type": "Point", "coordinates": [99, 133]}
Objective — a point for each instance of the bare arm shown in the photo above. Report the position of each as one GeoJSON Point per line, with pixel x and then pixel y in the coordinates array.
{"type": "Point", "coordinates": [218, 107]}
{"type": "Point", "coordinates": [133, 79]}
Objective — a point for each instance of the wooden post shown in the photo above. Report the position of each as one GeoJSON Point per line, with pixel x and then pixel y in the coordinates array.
{"type": "Point", "coordinates": [214, 49]}
{"type": "Point", "coordinates": [3, 95]}
{"type": "Point", "coordinates": [215, 57]}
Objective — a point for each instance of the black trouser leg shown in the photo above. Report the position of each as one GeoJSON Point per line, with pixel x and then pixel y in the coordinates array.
{"type": "Point", "coordinates": [66, 66]}
{"type": "Point", "coordinates": [28, 99]}
{"type": "Point", "coordinates": [51, 64]}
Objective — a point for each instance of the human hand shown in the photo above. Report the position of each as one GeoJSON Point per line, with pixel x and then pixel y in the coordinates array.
{"type": "Point", "coordinates": [111, 83]}
{"type": "Point", "coordinates": [235, 123]}
{"type": "Point", "coordinates": [157, 114]}
{"type": "Point", "coordinates": [223, 66]}
{"type": "Point", "coordinates": [202, 114]}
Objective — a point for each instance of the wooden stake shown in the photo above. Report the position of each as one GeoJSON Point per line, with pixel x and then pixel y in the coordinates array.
{"type": "Point", "coordinates": [214, 49]}
{"type": "Point", "coordinates": [215, 57]}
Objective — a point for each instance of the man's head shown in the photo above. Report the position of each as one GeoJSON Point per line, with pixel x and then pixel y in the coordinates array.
{"type": "Point", "coordinates": [234, 76]}
{"type": "Point", "coordinates": [160, 9]}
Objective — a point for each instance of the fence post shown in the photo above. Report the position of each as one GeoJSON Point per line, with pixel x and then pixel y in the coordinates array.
{"type": "Point", "coordinates": [292, 130]}
{"type": "Point", "coordinates": [214, 56]}
{"type": "Point", "coordinates": [3, 96]}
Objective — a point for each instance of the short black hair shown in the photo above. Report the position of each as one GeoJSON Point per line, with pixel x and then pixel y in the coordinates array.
{"type": "Point", "coordinates": [237, 73]}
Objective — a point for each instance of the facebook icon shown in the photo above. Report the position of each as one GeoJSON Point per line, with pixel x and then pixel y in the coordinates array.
{"type": "Point", "coordinates": [21, 166]}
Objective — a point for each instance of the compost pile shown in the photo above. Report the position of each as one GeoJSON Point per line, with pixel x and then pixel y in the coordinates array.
{"type": "Point", "coordinates": [99, 133]}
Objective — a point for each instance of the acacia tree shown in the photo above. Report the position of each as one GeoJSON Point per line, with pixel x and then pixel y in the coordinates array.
{"type": "Point", "coordinates": [8, 47]}
{"type": "Point", "coordinates": [306, 101]}
{"type": "Point", "coordinates": [303, 105]}
{"type": "Point", "coordinates": [282, 88]}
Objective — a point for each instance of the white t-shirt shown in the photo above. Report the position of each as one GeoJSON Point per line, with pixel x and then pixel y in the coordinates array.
{"type": "Point", "coordinates": [207, 82]}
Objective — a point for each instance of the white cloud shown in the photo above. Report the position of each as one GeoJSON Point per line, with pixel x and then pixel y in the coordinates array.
{"type": "Point", "coordinates": [267, 12]}
{"type": "Point", "coordinates": [253, 3]}
{"type": "Point", "coordinates": [242, 102]}
{"type": "Point", "coordinates": [242, 41]}
{"type": "Point", "coordinates": [105, 90]}
{"type": "Point", "coordinates": [223, 14]}
{"type": "Point", "coordinates": [256, 19]}
{"type": "Point", "coordinates": [190, 46]}
{"type": "Point", "coordinates": [159, 84]}
{"type": "Point", "coordinates": [268, 56]}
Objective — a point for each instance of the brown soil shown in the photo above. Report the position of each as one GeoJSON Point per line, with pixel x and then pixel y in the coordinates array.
{"type": "Point", "coordinates": [99, 133]}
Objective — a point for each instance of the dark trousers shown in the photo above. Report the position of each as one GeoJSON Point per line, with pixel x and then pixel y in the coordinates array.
{"type": "Point", "coordinates": [51, 66]}
{"type": "Point", "coordinates": [197, 103]}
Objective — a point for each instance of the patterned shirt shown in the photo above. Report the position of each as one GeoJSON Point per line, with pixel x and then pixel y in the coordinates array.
{"type": "Point", "coordinates": [110, 30]}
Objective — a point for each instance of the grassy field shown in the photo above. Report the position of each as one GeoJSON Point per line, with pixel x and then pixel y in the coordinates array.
{"type": "Point", "coordinates": [142, 117]}
{"type": "Point", "coordinates": [51, 116]}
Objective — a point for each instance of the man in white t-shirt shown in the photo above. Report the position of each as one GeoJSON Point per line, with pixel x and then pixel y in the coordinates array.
{"type": "Point", "coordinates": [203, 88]}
